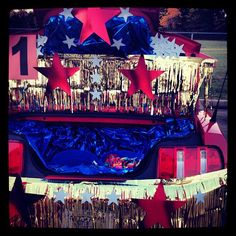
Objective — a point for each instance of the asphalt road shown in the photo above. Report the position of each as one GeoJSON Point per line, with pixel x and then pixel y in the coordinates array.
{"type": "Point", "coordinates": [222, 119]}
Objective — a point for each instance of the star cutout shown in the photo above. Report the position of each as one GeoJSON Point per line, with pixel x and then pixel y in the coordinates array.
{"type": "Point", "coordinates": [67, 13]}
{"type": "Point", "coordinates": [141, 78]}
{"type": "Point", "coordinates": [69, 42]}
{"type": "Point", "coordinates": [96, 77]}
{"type": "Point", "coordinates": [117, 43]}
{"type": "Point", "coordinates": [96, 61]}
{"type": "Point", "coordinates": [57, 75]}
{"type": "Point", "coordinates": [113, 197]}
{"type": "Point", "coordinates": [60, 195]}
{"type": "Point", "coordinates": [86, 197]}
{"type": "Point", "coordinates": [125, 13]}
{"type": "Point", "coordinates": [94, 21]}
{"type": "Point", "coordinates": [179, 49]}
{"type": "Point", "coordinates": [96, 94]}
{"type": "Point", "coordinates": [163, 47]}
{"type": "Point", "coordinates": [199, 197]}
{"type": "Point", "coordinates": [39, 53]}
{"type": "Point", "coordinates": [158, 209]}
{"type": "Point", "coordinates": [41, 40]}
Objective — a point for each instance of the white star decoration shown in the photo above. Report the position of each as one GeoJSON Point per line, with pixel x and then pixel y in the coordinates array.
{"type": "Point", "coordinates": [125, 13]}
{"type": "Point", "coordinates": [60, 195]}
{"type": "Point", "coordinates": [96, 61]}
{"type": "Point", "coordinates": [41, 40]}
{"type": "Point", "coordinates": [117, 43]}
{"type": "Point", "coordinates": [113, 197]}
{"type": "Point", "coordinates": [96, 94]}
{"type": "Point", "coordinates": [67, 13]}
{"type": "Point", "coordinates": [86, 197]}
{"type": "Point", "coordinates": [96, 77]}
{"type": "Point", "coordinates": [163, 47]}
{"type": "Point", "coordinates": [69, 42]}
{"type": "Point", "coordinates": [199, 197]}
{"type": "Point", "coordinates": [39, 53]}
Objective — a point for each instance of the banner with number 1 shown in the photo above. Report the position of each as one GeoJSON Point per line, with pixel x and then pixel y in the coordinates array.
{"type": "Point", "coordinates": [22, 57]}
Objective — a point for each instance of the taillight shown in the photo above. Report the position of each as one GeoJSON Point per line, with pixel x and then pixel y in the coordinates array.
{"type": "Point", "coordinates": [15, 157]}
{"type": "Point", "coordinates": [180, 162]}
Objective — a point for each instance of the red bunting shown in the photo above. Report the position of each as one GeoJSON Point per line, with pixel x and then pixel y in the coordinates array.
{"type": "Point", "coordinates": [57, 75]}
{"type": "Point", "coordinates": [94, 20]}
{"type": "Point", "coordinates": [158, 209]}
{"type": "Point", "coordinates": [141, 78]}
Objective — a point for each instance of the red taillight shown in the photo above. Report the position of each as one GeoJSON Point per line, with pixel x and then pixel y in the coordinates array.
{"type": "Point", "coordinates": [166, 163]}
{"type": "Point", "coordinates": [213, 160]}
{"type": "Point", "coordinates": [180, 162]}
{"type": "Point", "coordinates": [15, 157]}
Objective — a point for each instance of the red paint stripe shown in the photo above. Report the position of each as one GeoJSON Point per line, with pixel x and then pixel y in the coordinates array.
{"type": "Point", "coordinates": [92, 120]}
{"type": "Point", "coordinates": [61, 177]}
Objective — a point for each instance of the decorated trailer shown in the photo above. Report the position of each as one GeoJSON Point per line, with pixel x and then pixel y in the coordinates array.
{"type": "Point", "coordinates": [105, 125]}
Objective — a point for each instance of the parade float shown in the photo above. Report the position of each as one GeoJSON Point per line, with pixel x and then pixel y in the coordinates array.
{"type": "Point", "coordinates": [105, 126]}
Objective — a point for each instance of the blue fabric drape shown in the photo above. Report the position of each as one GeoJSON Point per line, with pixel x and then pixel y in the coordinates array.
{"type": "Point", "coordinates": [70, 148]}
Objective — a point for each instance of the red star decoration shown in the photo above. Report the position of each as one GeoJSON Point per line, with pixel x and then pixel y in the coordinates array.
{"type": "Point", "coordinates": [141, 78]}
{"type": "Point", "coordinates": [57, 75]}
{"type": "Point", "coordinates": [158, 209]}
{"type": "Point", "coordinates": [94, 20]}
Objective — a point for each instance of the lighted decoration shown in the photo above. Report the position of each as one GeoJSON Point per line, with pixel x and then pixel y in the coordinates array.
{"type": "Point", "coordinates": [60, 195]}
{"type": "Point", "coordinates": [199, 197]}
{"type": "Point", "coordinates": [158, 209]}
{"type": "Point", "coordinates": [125, 13]}
{"type": "Point", "coordinates": [113, 197]}
{"type": "Point", "coordinates": [141, 78]}
{"type": "Point", "coordinates": [94, 21]}
{"type": "Point", "coordinates": [69, 42]}
{"type": "Point", "coordinates": [86, 197]}
{"type": "Point", "coordinates": [22, 57]}
{"type": "Point", "coordinates": [117, 43]}
{"type": "Point", "coordinates": [57, 75]}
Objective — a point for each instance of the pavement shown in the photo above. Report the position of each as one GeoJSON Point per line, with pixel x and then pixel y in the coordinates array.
{"type": "Point", "coordinates": [222, 114]}
{"type": "Point", "coordinates": [223, 104]}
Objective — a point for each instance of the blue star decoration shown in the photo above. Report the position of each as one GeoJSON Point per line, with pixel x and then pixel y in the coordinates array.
{"type": "Point", "coordinates": [60, 195]}
{"type": "Point", "coordinates": [113, 197]}
{"type": "Point", "coordinates": [86, 197]}
{"type": "Point", "coordinates": [199, 197]}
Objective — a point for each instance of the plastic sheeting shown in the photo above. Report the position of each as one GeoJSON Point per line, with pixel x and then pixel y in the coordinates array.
{"type": "Point", "coordinates": [89, 150]}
